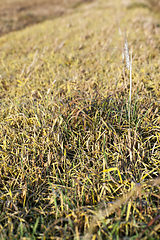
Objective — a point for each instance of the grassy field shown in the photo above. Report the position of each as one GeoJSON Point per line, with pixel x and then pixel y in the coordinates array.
{"type": "Point", "coordinates": [17, 14]}
{"type": "Point", "coordinates": [78, 160]}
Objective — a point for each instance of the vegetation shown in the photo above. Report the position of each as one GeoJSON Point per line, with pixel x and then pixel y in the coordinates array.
{"type": "Point", "coordinates": [18, 14]}
{"type": "Point", "coordinates": [154, 5]}
{"type": "Point", "coordinates": [77, 160]}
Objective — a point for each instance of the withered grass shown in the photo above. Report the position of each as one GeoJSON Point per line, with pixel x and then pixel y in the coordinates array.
{"type": "Point", "coordinates": [65, 167]}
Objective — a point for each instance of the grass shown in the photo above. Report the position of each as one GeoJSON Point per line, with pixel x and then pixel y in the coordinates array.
{"type": "Point", "coordinates": [18, 14]}
{"type": "Point", "coordinates": [65, 131]}
{"type": "Point", "coordinates": [154, 5]}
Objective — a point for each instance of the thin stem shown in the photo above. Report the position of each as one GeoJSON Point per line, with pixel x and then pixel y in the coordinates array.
{"type": "Point", "coordinates": [130, 78]}
{"type": "Point", "coordinates": [130, 98]}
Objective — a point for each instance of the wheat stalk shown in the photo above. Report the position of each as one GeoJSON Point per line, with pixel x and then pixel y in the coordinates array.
{"type": "Point", "coordinates": [128, 60]}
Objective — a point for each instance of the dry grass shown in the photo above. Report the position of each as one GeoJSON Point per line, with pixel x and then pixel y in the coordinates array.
{"type": "Point", "coordinates": [65, 169]}
{"type": "Point", "coordinates": [18, 14]}
{"type": "Point", "coordinates": [154, 5]}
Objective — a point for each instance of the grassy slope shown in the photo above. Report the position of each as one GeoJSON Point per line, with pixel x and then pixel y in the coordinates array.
{"type": "Point", "coordinates": [17, 14]}
{"type": "Point", "coordinates": [64, 126]}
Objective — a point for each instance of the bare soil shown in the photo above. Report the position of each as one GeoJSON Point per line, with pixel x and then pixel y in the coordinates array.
{"type": "Point", "coordinates": [17, 14]}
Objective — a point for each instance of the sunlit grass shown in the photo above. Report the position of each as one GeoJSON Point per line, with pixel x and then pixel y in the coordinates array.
{"type": "Point", "coordinates": [67, 129]}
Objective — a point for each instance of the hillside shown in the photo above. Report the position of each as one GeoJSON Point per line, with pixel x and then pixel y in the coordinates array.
{"type": "Point", "coordinates": [18, 14]}
{"type": "Point", "coordinates": [77, 158]}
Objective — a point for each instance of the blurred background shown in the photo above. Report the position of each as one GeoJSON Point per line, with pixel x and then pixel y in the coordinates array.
{"type": "Point", "coordinates": [17, 14]}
